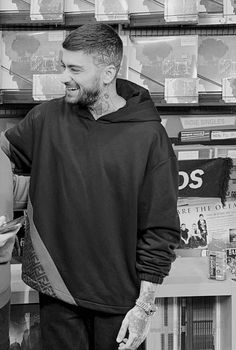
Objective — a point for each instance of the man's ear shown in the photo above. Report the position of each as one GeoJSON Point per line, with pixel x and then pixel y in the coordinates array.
{"type": "Point", "coordinates": [109, 73]}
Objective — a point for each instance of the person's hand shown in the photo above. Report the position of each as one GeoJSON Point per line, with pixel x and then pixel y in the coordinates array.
{"type": "Point", "coordinates": [137, 323]}
{"type": "Point", "coordinates": [7, 241]}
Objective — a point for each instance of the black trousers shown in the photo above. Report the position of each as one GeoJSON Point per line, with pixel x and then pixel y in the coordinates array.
{"type": "Point", "coordinates": [68, 327]}
{"type": "Point", "coordinates": [4, 326]}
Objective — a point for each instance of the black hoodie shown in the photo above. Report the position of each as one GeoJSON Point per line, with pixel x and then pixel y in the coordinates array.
{"type": "Point", "coordinates": [103, 197]}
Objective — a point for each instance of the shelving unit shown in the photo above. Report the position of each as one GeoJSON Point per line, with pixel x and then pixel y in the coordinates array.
{"type": "Point", "coordinates": [187, 278]}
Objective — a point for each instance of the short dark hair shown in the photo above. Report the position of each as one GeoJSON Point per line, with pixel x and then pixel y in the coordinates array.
{"type": "Point", "coordinates": [98, 39]}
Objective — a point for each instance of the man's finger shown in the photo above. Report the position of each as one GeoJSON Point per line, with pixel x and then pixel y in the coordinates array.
{"type": "Point", "coordinates": [130, 344]}
{"type": "Point", "coordinates": [122, 331]}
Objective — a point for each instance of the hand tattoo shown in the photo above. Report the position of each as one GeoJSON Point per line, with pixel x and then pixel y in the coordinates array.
{"type": "Point", "coordinates": [137, 323]}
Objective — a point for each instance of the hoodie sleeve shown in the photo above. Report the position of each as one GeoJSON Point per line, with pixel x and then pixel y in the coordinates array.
{"type": "Point", "coordinates": [158, 226]}
{"type": "Point", "coordinates": [17, 143]}
{"type": "Point", "coordinates": [20, 191]}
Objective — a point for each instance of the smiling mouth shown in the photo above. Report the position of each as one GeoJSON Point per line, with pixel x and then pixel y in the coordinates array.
{"type": "Point", "coordinates": [71, 89]}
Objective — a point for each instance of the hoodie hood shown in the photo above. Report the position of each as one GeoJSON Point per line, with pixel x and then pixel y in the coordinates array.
{"type": "Point", "coordinates": [139, 105]}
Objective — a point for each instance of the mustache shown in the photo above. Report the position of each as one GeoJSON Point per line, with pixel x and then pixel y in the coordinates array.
{"type": "Point", "coordinates": [73, 86]}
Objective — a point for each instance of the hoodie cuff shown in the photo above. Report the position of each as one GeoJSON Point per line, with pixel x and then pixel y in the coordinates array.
{"type": "Point", "coordinates": [151, 278]}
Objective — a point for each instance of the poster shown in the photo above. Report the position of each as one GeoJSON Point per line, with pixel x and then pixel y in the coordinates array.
{"type": "Point", "coordinates": [206, 225]}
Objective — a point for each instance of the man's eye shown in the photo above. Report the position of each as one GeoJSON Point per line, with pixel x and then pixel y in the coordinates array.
{"type": "Point", "coordinates": [74, 70]}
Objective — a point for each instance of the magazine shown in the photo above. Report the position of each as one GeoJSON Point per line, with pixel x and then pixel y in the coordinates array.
{"type": "Point", "coordinates": [206, 225]}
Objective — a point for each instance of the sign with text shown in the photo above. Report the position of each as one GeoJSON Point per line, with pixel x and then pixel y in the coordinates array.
{"type": "Point", "coordinates": [204, 177]}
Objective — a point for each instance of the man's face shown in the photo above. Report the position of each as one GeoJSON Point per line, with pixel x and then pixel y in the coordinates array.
{"type": "Point", "coordinates": [82, 78]}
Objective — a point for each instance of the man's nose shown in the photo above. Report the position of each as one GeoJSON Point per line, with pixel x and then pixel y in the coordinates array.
{"type": "Point", "coordinates": [65, 77]}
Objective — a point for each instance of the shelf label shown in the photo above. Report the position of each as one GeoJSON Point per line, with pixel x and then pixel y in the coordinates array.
{"type": "Point", "coordinates": [222, 135]}
{"type": "Point", "coordinates": [209, 121]}
{"type": "Point", "coordinates": [184, 155]}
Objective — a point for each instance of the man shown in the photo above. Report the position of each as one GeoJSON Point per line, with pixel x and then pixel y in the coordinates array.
{"type": "Point", "coordinates": [102, 200]}
{"type": "Point", "coordinates": [9, 191]}
{"type": "Point", "coordinates": [202, 227]}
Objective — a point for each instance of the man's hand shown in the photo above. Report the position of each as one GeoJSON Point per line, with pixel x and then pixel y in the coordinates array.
{"type": "Point", "coordinates": [137, 323]}
{"type": "Point", "coordinates": [7, 241]}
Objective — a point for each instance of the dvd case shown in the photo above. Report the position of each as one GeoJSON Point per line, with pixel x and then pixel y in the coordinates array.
{"type": "Point", "coordinates": [196, 151]}
{"type": "Point", "coordinates": [229, 90]}
{"type": "Point", "coordinates": [152, 59]}
{"type": "Point", "coordinates": [79, 6]}
{"type": "Point", "coordinates": [146, 7]}
{"type": "Point", "coordinates": [181, 11]}
{"type": "Point", "coordinates": [181, 90]}
{"type": "Point", "coordinates": [216, 60]}
{"type": "Point", "coordinates": [15, 6]}
{"type": "Point", "coordinates": [211, 12]}
{"type": "Point", "coordinates": [230, 11]}
{"type": "Point", "coordinates": [47, 10]}
{"type": "Point", "coordinates": [25, 53]}
{"type": "Point", "coordinates": [111, 11]}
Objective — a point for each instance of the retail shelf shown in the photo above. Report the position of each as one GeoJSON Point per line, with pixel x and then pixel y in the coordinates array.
{"type": "Point", "coordinates": [8, 19]}
{"type": "Point", "coordinates": [136, 20]}
{"type": "Point", "coordinates": [188, 277]}
{"type": "Point", "coordinates": [23, 18]}
{"type": "Point", "coordinates": [205, 99]}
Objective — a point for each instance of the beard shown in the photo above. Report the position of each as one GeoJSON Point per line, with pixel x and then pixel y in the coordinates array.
{"type": "Point", "coordinates": [83, 96]}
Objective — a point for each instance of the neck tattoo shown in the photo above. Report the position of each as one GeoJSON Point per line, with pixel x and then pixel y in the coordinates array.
{"type": "Point", "coordinates": [104, 106]}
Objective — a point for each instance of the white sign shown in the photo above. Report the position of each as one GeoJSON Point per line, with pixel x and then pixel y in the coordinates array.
{"type": "Point", "coordinates": [209, 121]}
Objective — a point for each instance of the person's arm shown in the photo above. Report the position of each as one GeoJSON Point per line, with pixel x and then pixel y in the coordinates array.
{"type": "Point", "coordinates": [13, 192]}
{"type": "Point", "coordinates": [7, 241]}
{"type": "Point", "coordinates": [18, 143]}
{"type": "Point", "coordinates": [20, 191]}
{"type": "Point", "coordinates": [159, 227]}
{"type": "Point", "coordinates": [137, 321]}
{"type": "Point", "coordinates": [158, 237]}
